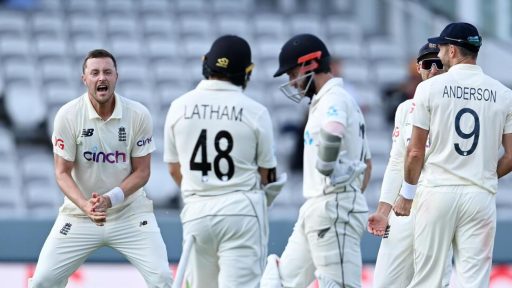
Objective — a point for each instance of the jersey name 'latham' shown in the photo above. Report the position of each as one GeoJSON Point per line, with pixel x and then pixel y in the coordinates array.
{"type": "Point", "coordinates": [213, 112]}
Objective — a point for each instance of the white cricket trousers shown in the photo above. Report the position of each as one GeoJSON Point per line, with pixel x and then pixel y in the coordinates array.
{"type": "Point", "coordinates": [461, 216]}
{"type": "Point", "coordinates": [326, 240]}
{"type": "Point", "coordinates": [395, 261]}
{"type": "Point", "coordinates": [231, 235]}
{"type": "Point", "coordinates": [72, 239]}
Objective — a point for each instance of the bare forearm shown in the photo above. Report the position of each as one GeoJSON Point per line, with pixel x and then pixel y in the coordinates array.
{"type": "Point", "coordinates": [134, 182]}
{"type": "Point", "coordinates": [367, 175]}
{"type": "Point", "coordinates": [70, 189]}
{"type": "Point", "coordinates": [177, 179]}
{"type": "Point", "coordinates": [504, 165]}
{"type": "Point", "coordinates": [413, 164]}
{"type": "Point", "coordinates": [175, 172]}
{"type": "Point", "coordinates": [384, 208]}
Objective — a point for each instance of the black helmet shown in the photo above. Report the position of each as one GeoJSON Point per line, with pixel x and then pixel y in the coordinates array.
{"type": "Point", "coordinates": [297, 47]}
{"type": "Point", "coordinates": [230, 56]}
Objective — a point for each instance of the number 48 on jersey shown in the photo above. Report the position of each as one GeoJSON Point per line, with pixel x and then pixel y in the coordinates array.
{"type": "Point", "coordinates": [203, 165]}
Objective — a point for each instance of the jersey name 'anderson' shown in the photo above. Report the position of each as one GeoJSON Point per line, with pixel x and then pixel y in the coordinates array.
{"type": "Point", "coordinates": [469, 93]}
{"type": "Point", "coordinates": [213, 112]}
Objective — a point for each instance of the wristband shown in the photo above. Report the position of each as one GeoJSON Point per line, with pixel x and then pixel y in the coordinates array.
{"type": "Point", "coordinates": [116, 196]}
{"type": "Point", "coordinates": [323, 165]}
{"type": "Point", "coordinates": [408, 190]}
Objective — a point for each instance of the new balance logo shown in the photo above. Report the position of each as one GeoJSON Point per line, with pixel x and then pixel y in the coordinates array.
{"type": "Point", "coordinates": [143, 223]}
{"type": "Point", "coordinates": [87, 132]}
{"type": "Point", "coordinates": [65, 229]}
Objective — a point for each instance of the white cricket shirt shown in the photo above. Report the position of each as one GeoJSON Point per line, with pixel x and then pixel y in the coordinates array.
{"type": "Point", "coordinates": [466, 113]}
{"type": "Point", "coordinates": [394, 174]}
{"type": "Point", "coordinates": [220, 137]}
{"type": "Point", "coordinates": [101, 150]}
{"type": "Point", "coordinates": [332, 103]}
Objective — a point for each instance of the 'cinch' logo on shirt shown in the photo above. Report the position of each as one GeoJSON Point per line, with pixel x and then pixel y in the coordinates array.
{"type": "Point", "coordinates": [105, 157]}
{"type": "Point", "coordinates": [145, 141]}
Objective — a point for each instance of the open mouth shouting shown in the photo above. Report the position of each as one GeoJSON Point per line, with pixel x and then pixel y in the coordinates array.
{"type": "Point", "coordinates": [102, 88]}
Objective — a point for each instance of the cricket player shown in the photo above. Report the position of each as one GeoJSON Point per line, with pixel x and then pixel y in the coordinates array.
{"type": "Point", "coordinates": [395, 265]}
{"type": "Point", "coordinates": [102, 146]}
{"type": "Point", "coordinates": [336, 66]}
{"type": "Point", "coordinates": [219, 146]}
{"type": "Point", "coordinates": [326, 238]}
{"type": "Point", "coordinates": [467, 116]}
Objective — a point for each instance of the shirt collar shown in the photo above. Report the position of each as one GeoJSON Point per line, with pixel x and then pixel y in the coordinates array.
{"type": "Point", "coordinates": [466, 67]}
{"type": "Point", "coordinates": [217, 85]}
{"type": "Point", "coordinates": [335, 81]}
{"type": "Point", "coordinates": [118, 109]}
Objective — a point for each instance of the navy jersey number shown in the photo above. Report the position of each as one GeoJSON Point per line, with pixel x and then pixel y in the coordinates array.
{"type": "Point", "coordinates": [204, 166]}
{"type": "Point", "coordinates": [475, 133]}
{"type": "Point", "coordinates": [362, 134]}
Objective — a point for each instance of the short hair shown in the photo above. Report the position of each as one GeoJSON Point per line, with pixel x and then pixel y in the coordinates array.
{"type": "Point", "coordinates": [324, 65]}
{"type": "Point", "coordinates": [335, 59]}
{"type": "Point", "coordinates": [238, 79]}
{"type": "Point", "coordinates": [467, 53]}
{"type": "Point", "coordinates": [98, 53]}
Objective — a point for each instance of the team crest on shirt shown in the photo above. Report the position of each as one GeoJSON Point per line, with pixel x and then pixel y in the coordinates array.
{"type": "Point", "coordinates": [332, 111]}
{"type": "Point", "coordinates": [122, 134]}
{"type": "Point", "coordinates": [308, 140]}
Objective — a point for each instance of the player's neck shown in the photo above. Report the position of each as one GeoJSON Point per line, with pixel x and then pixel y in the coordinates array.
{"type": "Point", "coordinates": [104, 110]}
{"type": "Point", "coordinates": [463, 60]}
{"type": "Point", "coordinates": [320, 79]}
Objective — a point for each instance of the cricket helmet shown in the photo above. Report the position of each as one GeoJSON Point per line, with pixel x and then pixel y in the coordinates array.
{"type": "Point", "coordinates": [229, 56]}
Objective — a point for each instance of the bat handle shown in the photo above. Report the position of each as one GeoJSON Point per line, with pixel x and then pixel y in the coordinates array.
{"type": "Point", "coordinates": [182, 265]}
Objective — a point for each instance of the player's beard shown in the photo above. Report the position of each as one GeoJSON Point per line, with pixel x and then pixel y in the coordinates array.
{"type": "Point", "coordinates": [311, 90]}
{"type": "Point", "coordinates": [107, 95]}
{"type": "Point", "coordinates": [102, 100]}
{"type": "Point", "coordinates": [446, 65]}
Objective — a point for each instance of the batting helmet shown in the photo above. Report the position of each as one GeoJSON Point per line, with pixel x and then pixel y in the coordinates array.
{"type": "Point", "coordinates": [229, 56]}
{"type": "Point", "coordinates": [300, 49]}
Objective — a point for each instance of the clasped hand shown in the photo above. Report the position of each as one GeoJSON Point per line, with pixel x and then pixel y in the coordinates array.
{"type": "Point", "coordinates": [96, 208]}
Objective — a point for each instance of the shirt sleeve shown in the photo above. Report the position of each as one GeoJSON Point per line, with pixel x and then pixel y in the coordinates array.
{"type": "Point", "coordinates": [170, 152]}
{"type": "Point", "coordinates": [421, 113]}
{"type": "Point", "coordinates": [265, 156]}
{"type": "Point", "coordinates": [393, 176]}
{"type": "Point", "coordinates": [63, 136]}
{"type": "Point", "coordinates": [144, 144]}
{"type": "Point", "coordinates": [334, 109]}
{"type": "Point", "coordinates": [508, 119]}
